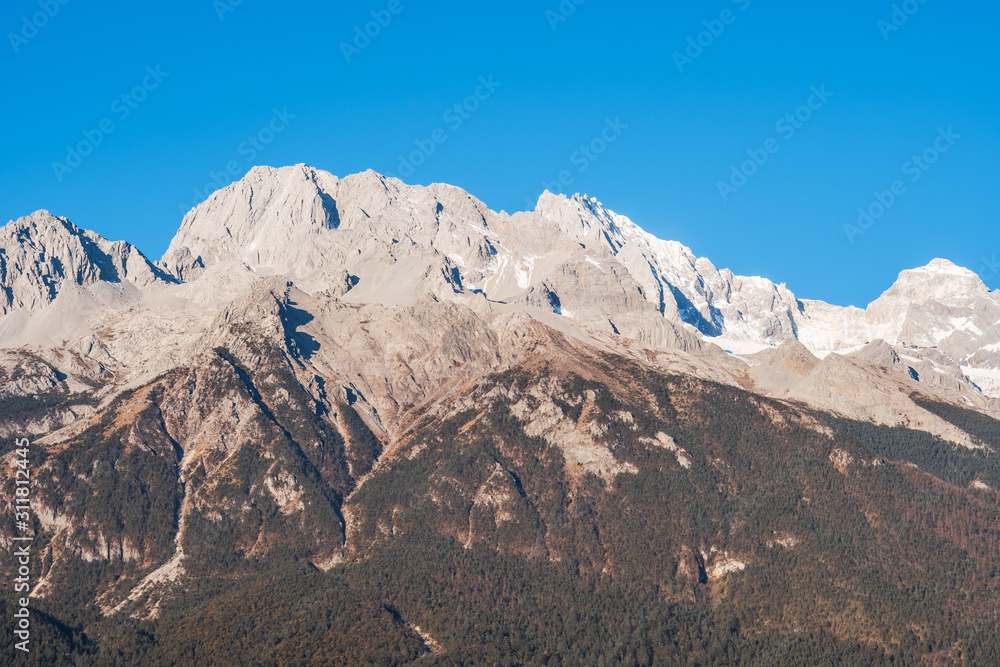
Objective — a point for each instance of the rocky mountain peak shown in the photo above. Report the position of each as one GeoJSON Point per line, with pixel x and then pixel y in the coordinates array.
{"type": "Point", "coordinates": [584, 218]}
{"type": "Point", "coordinates": [43, 227]}
{"type": "Point", "coordinates": [41, 253]}
{"type": "Point", "coordinates": [941, 281]}
{"type": "Point", "coordinates": [252, 220]}
{"type": "Point", "coordinates": [940, 265]}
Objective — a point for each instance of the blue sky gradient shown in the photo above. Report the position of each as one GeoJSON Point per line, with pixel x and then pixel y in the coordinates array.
{"type": "Point", "coordinates": [180, 98]}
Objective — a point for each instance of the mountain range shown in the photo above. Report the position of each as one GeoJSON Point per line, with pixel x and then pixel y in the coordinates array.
{"type": "Point", "coordinates": [381, 396]}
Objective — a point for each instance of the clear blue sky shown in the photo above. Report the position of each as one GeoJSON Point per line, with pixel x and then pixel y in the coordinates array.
{"type": "Point", "coordinates": [558, 86]}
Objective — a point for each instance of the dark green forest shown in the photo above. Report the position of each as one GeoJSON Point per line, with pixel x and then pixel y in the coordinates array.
{"type": "Point", "coordinates": [476, 543]}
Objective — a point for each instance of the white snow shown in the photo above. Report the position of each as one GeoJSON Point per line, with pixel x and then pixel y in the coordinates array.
{"type": "Point", "coordinates": [964, 324]}
{"type": "Point", "coordinates": [524, 274]}
{"type": "Point", "coordinates": [981, 373]}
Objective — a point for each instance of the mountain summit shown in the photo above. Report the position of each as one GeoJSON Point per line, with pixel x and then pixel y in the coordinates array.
{"type": "Point", "coordinates": [41, 255]}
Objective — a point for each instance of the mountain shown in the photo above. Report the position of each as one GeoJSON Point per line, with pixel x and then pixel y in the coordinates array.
{"type": "Point", "coordinates": [42, 256]}
{"type": "Point", "coordinates": [374, 422]}
{"type": "Point", "coordinates": [392, 242]}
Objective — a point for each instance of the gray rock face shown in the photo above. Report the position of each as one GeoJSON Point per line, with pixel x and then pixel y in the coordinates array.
{"type": "Point", "coordinates": [879, 352]}
{"type": "Point", "coordinates": [41, 254]}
